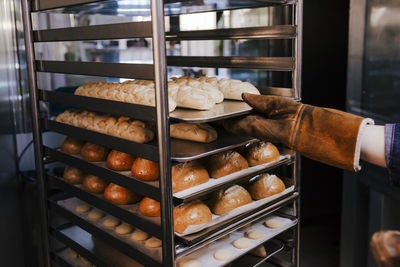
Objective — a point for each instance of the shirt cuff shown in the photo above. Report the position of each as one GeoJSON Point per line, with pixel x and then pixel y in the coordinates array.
{"type": "Point", "coordinates": [392, 152]}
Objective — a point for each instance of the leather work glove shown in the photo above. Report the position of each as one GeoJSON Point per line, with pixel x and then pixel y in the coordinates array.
{"type": "Point", "coordinates": [385, 246]}
{"type": "Point", "coordinates": [322, 134]}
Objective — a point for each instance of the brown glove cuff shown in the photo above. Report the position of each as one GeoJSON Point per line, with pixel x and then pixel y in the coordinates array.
{"type": "Point", "coordinates": [385, 247]}
{"type": "Point", "coordinates": [329, 136]}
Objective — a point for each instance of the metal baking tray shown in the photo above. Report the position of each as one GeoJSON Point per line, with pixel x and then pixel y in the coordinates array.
{"type": "Point", "coordinates": [81, 242]}
{"type": "Point", "coordinates": [212, 233]}
{"type": "Point", "coordinates": [130, 213]}
{"type": "Point", "coordinates": [205, 255]}
{"type": "Point", "coordinates": [100, 169]}
{"type": "Point", "coordinates": [110, 237]}
{"type": "Point", "coordinates": [183, 151]}
{"type": "Point", "coordinates": [71, 203]}
{"type": "Point", "coordinates": [226, 109]}
{"type": "Point", "coordinates": [236, 177]}
{"type": "Point", "coordinates": [272, 247]}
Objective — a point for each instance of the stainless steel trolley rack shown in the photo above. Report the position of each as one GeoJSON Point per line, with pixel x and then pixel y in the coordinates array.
{"type": "Point", "coordinates": [78, 235]}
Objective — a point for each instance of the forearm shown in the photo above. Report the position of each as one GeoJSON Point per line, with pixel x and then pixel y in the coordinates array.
{"type": "Point", "coordinates": [373, 145]}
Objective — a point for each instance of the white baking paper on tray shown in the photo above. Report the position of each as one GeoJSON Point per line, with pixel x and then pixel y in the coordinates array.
{"type": "Point", "coordinates": [216, 219]}
{"type": "Point", "coordinates": [213, 181]}
{"type": "Point", "coordinates": [205, 255]}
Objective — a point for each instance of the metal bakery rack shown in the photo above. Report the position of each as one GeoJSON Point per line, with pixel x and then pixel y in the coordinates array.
{"type": "Point", "coordinates": [75, 231]}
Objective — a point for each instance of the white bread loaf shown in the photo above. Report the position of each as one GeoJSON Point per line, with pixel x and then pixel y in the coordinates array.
{"type": "Point", "coordinates": [136, 92]}
{"type": "Point", "coordinates": [195, 98]}
{"type": "Point", "coordinates": [233, 89]}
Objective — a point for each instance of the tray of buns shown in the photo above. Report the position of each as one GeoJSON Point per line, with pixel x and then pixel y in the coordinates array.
{"type": "Point", "coordinates": [222, 210]}
{"type": "Point", "coordinates": [128, 234]}
{"type": "Point", "coordinates": [239, 243]}
{"type": "Point", "coordinates": [215, 183]}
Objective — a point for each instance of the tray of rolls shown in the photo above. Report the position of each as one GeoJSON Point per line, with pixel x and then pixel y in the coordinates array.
{"type": "Point", "coordinates": [190, 99]}
{"type": "Point", "coordinates": [188, 141]}
{"type": "Point", "coordinates": [116, 227]}
{"type": "Point", "coordinates": [248, 239]}
{"type": "Point", "coordinates": [190, 179]}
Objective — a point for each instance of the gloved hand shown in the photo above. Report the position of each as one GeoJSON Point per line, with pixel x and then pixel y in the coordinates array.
{"type": "Point", "coordinates": [385, 246]}
{"type": "Point", "coordinates": [326, 135]}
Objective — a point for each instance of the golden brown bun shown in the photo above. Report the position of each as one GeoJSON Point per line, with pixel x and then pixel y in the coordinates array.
{"type": "Point", "coordinates": [261, 153]}
{"type": "Point", "coordinates": [119, 161]}
{"type": "Point", "coordinates": [120, 195]}
{"type": "Point", "coordinates": [144, 169]}
{"type": "Point", "coordinates": [229, 199]}
{"type": "Point", "coordinates": [265, 186]}
{"type": "Point", "coordinates": [73, 175]}
{"type": "Point", "coordinates": [188, 175]}
{"type": "Point", "coordinates": [193, 213]}
{"type": "Point", "coordinates": [71, 145]}
{"type": "Point", "coordinates": [93, 152]}
{"type": "Point", "coordinates": [150, 207]}
{"type": "Point", "coordinates": [225, 163]}
{"type": "Point", "coordinates": [202, 133]}
{"type": "Point", "coordinates": [94, 184]}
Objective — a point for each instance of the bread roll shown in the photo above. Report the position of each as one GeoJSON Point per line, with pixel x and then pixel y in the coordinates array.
{"type": "Point", "coordinates": [225, 163]}
{"type": "Point", "coordinates": [229, 199]}
{"type": "Point", "coordinates": [93, 152]}
{"type": "Point", "coordinates": [150, 207]}
{"type": "Point", "coordinates": [202, 133]}
{"type": "Point", "coordinates": [73, 175]}
{"type": "Point", "coordinates": [144, 169]}
{"type": "Point", "coordinates": [265, 186]}
{"type": "Point", "coordinates": [192, 213]}
{"type": "Point", "coordinates": [119, 161]}
{"type": "Point", "coordinates": [71, 145]}
{"type": "Point", "coordinates": [233, 89]}
{"type": "Point", "coordinates": [120, 195]}
{"type": "Point", "coordinates": [94, 184]}
{"type": "Point", "coordinates": [188, 175]}
{"type": "Point", "coordinates": [260, 153]}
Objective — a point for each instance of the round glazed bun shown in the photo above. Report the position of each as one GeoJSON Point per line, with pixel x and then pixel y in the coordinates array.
{"type": "Point", "coordinates": [265, 186]}
{"type": "Point", "coordinates": [94, 184]}
{"type": "Point", "coordinates": [229, 199]}
{"type": "Point", "coordinates": [150, 207]}
{"type": "Point", "coordinates": [192, 213]}
{"type": "Point", "coordinates": [71, 145]}
{"type": "Point", "coordinates": [260, 153]}
{"type": "Point", "coordinates": [119, 161]}
{"type": "Point", "coordinates": [225, 163]}
{"type": "Point", "coordinates": [144, 169]}
{"type": "Point", "coordinates": [120, 195]}
{"type": "Point", "coordinates": [188, 175]}
{"type": "Point", "coordinates": [93, 152]}
{"type": "Point", "coordinates": [73, 175]}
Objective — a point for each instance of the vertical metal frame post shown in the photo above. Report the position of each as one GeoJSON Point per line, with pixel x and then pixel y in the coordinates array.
{"type": "Point", "coordinates": [164, 153]}
{"type": "Point", "coordinates": [298, 49]}
{"type": "Point", "coordinates": [296, 249]}
{"type": "Point", "coordinates": [44, 247]}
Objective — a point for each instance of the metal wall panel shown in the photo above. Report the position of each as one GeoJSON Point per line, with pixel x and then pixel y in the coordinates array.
{"type": "Point", "coordinates": [11, 244]}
